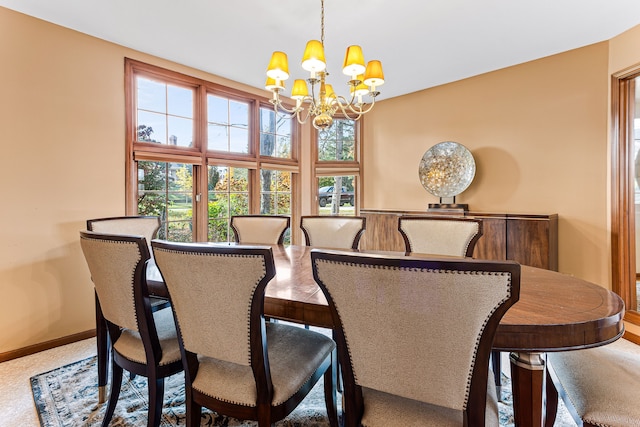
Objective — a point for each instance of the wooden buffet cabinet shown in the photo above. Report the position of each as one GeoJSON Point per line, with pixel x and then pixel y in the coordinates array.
{"type": "Point", "coordinates": [527, 239]}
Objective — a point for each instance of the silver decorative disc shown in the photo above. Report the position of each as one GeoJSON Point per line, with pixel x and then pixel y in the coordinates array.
{"type": "Point", "coordinates": [447, 169]}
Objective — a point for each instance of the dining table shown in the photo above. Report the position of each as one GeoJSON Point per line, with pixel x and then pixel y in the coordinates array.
{"type": "Point", "coordinates": [555, 312]}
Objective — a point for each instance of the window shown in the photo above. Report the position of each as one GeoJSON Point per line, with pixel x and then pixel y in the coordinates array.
{"type": "Point", "coordinates": [337, 168]}
{"type": "Point", "coordinates": [200, 153]}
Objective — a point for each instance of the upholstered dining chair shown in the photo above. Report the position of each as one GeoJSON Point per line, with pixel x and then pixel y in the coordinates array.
{"type": "Point", "coordinates": [337, 232]}
{"type": "Point", "coordinates": [239, 365]}
{"type": "Point", "coordinates": [600, 385]}
{"type": "Point", "coordinates": [260, 229]}
{"type": "Point", "coordinates": [138, 225]}
{"type": "Point", "coordinates": [414, 335]}
{"type": "Point", "coordinates": [456, 236]}
{"type": "Point", "coordinates": [143, 342]}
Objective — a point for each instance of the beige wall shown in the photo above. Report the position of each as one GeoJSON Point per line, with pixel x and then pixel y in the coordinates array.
{"type": "Point", "coordinates": [538, 132]}
{"type": "Point", "coordinates": [62, 125]}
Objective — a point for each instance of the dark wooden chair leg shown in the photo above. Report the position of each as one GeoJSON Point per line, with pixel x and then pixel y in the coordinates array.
{"type": "Point", "coordinates": [339, 379]}
{"type": "Point", "coordinates": [194, 412]}
{"type": "Point", "coordinates": [116, 384]}
{"type": "Point", "coordinates": [497, 372]}
{"type": "Point", "coordinates": [330, 383]}
{"type": "Point", "coordinates": [156, 395]}
{"type": "Point", "coordinates": [551, 401]}
{"type": "Point", "coordinates": [102, 343]}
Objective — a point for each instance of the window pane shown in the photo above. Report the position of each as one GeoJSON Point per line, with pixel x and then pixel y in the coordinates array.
{"type": "Point", "coordinates": [180, 132]}
{"type": "Point", "coordinates": [228, 125]}
{"type": "Point", "coordinates": [283, 203]}
{"type": "Point", "coordinates": [267, 144]}
{"type": "Point", "coordinates": [218, 138]}
{"type": "Point", "coordinates": [165, 190]}
{"type": "Point", "coordinates": [283, 142]}
{"type": "Point", "coordinates": [180, 101]}
{"type": "Point", "coordinates": [334, 188]}
{"type": "Point", "coordinates": [165, 113]}
{"type": "Point", "coordinates": [151, 95]}
{"type": "Point", "coordinates": [228, 196]}
{"type": "Point", "coordinates": [152, 127]}
{"type": "Point", "coordinates": [267, 120]}
{"type": "Point", "coordinates": [239, 114]}
{"type": "Point", "coordinates": [338, 142]}
{"type": "Point", "coordinates": [275, 134]}
{"type": "Point", "coordinates": [217, 110]}
{"type": "Point", "coordinates": [275, 192]}
{"type": "Point", "coordinates": [275, 195]}
{"type": "Point", "coordinates": [238, 140]}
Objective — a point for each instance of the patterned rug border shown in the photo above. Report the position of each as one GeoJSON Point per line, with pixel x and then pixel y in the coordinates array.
{"type": "Point", "coordinates": [67, 396]}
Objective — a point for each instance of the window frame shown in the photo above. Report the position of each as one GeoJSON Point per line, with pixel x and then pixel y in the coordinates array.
{"type": "Point", "coordinates": [199, 155]}
{"type": "Point", "coordinates": [623, 225]}
{"type": "Point", "coordinates": [353, 167]}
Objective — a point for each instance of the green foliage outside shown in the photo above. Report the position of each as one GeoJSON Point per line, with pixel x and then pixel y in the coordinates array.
{"type": "Point", "coordinates": [164, 190]}
{"type": "Point", "coordinates": [229, 196]}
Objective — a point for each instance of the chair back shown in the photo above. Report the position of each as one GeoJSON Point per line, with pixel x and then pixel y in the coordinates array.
{"type": "Point", "coordinates": [219, 286]}
{"type": "Point", "coordinates": [117, 264]}
{"type": "Point", "coordinates": [440, 236]}
{"type": "Point", "coordinates": [260, 229]}
{"type": "Point", "coordinates": [338, 232]}
{"type": "Point", "coordinates": [403, 322]}
{"type": "Point", "coordinates": [138, 225]}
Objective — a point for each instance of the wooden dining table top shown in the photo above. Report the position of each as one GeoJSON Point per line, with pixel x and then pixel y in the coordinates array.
{"type": "Point", "coordinates": [555, 311]}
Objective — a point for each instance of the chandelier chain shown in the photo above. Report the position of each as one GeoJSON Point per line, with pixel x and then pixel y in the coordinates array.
{"type": "Point", "coordinates": [322, 22]}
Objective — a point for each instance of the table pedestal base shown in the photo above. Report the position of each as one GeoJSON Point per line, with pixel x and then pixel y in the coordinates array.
{"type": "Point", "coordinates": [528, 383]}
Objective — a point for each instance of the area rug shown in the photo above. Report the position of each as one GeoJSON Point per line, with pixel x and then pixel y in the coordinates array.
{"type": "Point", "coordinates": [68, 396]}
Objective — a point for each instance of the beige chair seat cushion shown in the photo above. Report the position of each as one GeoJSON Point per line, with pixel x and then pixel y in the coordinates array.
{"type": "Point", "coordinates": [383, 410]}
{"type": "Point", "coordinates": [603, 383]}
{"type": "Point", "coordinates": [130, 344]}
{"type": "Point", "coordinates": [294, 354]}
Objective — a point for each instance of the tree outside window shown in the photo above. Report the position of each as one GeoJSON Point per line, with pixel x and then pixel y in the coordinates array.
{"type": "Point", "coordinates": [338, 151]}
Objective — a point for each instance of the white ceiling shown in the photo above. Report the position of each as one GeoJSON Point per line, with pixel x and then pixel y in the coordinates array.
{"type": "Point", "coordinates": [420, 43]}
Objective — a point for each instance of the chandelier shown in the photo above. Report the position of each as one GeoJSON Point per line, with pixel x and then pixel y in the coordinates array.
{"type": "Point", "coordinates": [322, 102]}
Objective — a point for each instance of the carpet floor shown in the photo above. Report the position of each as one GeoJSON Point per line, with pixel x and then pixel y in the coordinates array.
{"type": "Point", "coordinates": [67, 396]}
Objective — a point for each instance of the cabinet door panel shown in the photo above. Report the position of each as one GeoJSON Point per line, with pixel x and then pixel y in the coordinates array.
{"type": "Point", "coordinates": [531, 242]}
{"type": "Point", "coordinates": [492, 244]}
